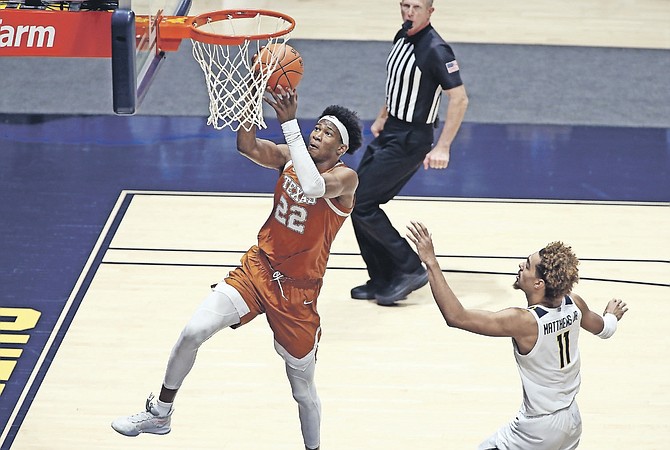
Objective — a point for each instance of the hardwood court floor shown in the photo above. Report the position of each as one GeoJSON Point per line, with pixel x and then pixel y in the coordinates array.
{"type": "Point", "coordinates": [388, 377]}
{"type": "Point", "coordinates": [392, 378]}
{"type": "Point", "coordinates": [599, 23]}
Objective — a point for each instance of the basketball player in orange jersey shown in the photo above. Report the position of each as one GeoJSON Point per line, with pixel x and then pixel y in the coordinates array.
{"type": "Point", "coordinates": [281, 276]}
{"type": "Point", "coordinates": [545, 336]}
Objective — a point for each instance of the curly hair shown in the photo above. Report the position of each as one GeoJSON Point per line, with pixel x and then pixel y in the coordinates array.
{"type": "Point", "coordinates": [351, 122]}
{"type": "Point", "coordinates": [558, 268]}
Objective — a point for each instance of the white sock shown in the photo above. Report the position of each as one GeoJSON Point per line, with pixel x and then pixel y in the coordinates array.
{"type": "Point", "coordinates": [163, 408]}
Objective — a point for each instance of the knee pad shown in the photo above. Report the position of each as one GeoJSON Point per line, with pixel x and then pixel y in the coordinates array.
{"type": "Point", "coordinates": [193, 336]}
{"type": "Point", "coordinates": [303, 392]}
{"type": "Point", "coordinates": [302, 385]}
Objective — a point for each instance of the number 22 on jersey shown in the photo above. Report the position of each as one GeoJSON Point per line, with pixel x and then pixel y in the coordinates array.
{"type": "Point", "coordinates": [293, 217]}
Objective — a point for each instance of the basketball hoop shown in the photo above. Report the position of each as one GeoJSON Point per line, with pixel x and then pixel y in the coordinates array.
{"type": "Point", "coordinates": [224, 45]}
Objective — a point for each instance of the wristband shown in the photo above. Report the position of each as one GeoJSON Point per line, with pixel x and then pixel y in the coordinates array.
{"type": "Point", "coordinates": [609, 326]}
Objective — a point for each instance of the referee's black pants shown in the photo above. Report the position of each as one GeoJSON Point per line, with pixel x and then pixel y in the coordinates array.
{"type": "Point", "coordinates": [389, 162]}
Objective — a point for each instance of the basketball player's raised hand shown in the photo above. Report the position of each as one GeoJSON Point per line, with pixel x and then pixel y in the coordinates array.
{"type": "Point", "coordinates": [616, 307]}
{"type": "Point", "coordinates": [284, 102]}
{"type": "Point", "coordinates": [421, 238]}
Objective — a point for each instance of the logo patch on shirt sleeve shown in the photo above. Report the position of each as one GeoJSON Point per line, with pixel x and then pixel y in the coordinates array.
{"type": "Point", "coordinates": [452, 66]}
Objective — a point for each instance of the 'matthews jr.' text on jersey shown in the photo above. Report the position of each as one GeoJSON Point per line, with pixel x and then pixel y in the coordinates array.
{"type": "Point", "coordinates": [550, 371]}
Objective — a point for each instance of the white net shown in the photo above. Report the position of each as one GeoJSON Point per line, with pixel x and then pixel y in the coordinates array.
{"type": "Point", "coordinates": [234, 83]}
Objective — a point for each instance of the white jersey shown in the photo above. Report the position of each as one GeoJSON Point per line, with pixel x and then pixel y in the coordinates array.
{"type": "Point", "coordinates": [550, 371]}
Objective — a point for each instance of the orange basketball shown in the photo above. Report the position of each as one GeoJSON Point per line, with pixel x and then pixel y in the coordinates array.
{"type": "Point", "coordinates": [289, 69]}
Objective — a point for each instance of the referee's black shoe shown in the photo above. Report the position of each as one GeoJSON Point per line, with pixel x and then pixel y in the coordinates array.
{"type": "Point", "coordinates": [402, 286]}
{"type": "Point", "coordinates": [365, 291]}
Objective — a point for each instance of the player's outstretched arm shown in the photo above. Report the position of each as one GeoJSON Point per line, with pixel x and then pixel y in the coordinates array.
{"type": "Point", "coordinates": [451, 308]}
{"type": "Point", "coordinates": [509, 322]}
{"type": "Point", "coordinates": [285, 104]}
{"type": "Point", "coordinates": [261, 151]}
{"type": "Point", "coordinates": [602, 326]}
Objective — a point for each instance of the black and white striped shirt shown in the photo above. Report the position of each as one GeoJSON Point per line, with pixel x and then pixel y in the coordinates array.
{"type": "Point", "coordinates": [418, 69]}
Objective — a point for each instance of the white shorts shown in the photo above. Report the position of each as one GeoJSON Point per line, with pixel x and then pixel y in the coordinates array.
{"type": "Point", "coordinates": [558, 431]}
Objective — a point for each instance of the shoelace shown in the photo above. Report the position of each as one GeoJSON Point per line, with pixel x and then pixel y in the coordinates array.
{"type": "Point", "coordinates": [144, 415]}
{"type": "Point", "coordinates": [141, 417]}
{"type": "Point", "coordinates": [277, 276]}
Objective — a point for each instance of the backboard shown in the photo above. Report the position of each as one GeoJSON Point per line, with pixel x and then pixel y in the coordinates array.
{"type": "Point", "coordinates": [135, 55]}
{"type": "Point", "coordinates": [125, 30]}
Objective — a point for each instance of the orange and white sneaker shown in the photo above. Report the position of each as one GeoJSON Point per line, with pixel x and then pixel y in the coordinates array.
{"type": "Point", "coordinates": [148, 421]}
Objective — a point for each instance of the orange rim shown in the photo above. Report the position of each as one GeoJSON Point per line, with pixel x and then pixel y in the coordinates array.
{"type": "Point", "coordinates": [222, 39]}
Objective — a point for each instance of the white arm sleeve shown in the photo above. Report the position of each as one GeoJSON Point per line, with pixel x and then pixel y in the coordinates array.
{"type": "Point", "coordinates": [609, 327]}
{"type": "Point", "coordinates": [311, 181]}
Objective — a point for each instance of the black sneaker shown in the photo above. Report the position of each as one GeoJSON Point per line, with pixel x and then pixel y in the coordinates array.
{"type": "Point", "coordinates": [402, 286]}
{"type": "Point", "coordinates": [365, 291]}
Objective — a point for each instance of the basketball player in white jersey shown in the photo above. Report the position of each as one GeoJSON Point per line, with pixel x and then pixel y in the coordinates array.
{"type": "Point", "coordinates": [545, 336]}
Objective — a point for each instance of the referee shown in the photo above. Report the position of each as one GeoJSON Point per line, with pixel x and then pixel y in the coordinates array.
{"type": "Point", "coordinates": [419, 68]}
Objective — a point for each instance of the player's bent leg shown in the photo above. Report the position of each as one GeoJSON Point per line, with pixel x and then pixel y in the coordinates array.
{"type": "Point", "coordinates": [216, 312]}
{"type": "Point", "coordinates": [573, 427]}
{"type": "Point", "coordinates": [558, 431]}
{"type": "Point", "coordinates": [309, 405]}
{"type": "Point", "coordinates": [505, 438]}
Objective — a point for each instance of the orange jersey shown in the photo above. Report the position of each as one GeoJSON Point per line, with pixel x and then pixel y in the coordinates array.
{"type": "Point", "coordinates": [300, 230]}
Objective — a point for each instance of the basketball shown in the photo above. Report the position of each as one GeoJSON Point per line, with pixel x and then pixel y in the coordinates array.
{"type": "Point", "coordinates": [289, 69]}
